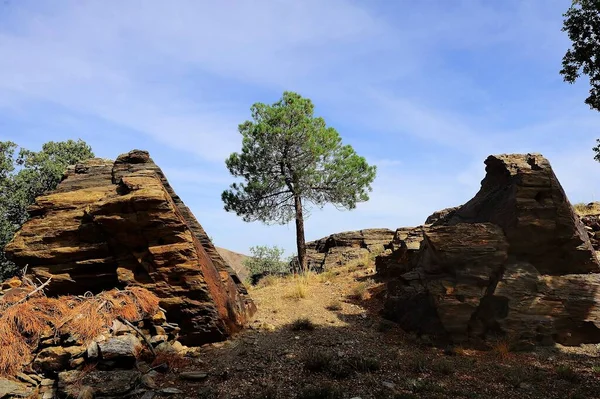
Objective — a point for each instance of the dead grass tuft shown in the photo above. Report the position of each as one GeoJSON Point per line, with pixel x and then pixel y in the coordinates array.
{"type": "Point", "coordinates": [297, 292]}
{"type": "Point", "coordinates": [501, 349]}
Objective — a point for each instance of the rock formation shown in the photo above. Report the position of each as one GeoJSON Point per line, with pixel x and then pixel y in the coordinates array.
{"type": "Point", "coordinates": [116, 224]}
{"type": "Point", "coordinates": [400, 253]}
{"type": "Point", "coordinates": [590, 217]}
{"type": "Point", "coordinates": [350, 246]}
{"type": "Point", "coordinates": [515, 261]}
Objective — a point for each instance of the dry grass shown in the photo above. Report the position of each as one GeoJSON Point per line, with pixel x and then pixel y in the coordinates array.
{"type": "Point", "coordinates": [583, 209]}
{"type": "Point", "coordinates": [501, 349]}
{"type": "Point", "coordinates": [298, 291]}
{"type": "Point", "coordinates": [22, 324]}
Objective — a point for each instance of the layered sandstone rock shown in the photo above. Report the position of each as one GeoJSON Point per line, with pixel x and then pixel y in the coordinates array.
{"type": "Point", "coordinates": [116, 224]}
{"type": "Point", "coordinates": [515, 261]}
{"type": "Point", "coordinates": [343, 248]}
{"type": "Point", "coordinates": [400, 254]}
{"type": "Point", "coordinates": [590, 217]}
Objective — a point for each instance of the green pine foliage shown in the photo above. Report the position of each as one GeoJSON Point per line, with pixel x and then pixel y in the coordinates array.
{"type": "Point", "coordinates": [582, 24]}
{"type": "Point", "coordinates": [290, 159]}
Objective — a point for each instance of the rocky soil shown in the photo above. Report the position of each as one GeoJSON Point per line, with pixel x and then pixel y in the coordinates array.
{"type": "Point", "coordinates": [346, 350]}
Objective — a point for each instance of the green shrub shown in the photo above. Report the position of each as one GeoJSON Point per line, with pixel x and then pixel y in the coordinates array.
{"type": "Point", "coordinates": [265, 259]}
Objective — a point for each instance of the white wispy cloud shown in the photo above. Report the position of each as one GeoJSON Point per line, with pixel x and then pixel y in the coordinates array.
{"type": "Point", "coordinates": [425, 90]}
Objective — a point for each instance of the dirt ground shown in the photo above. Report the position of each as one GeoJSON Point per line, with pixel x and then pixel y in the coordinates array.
{"type": "Point", "coordinates": [342, 348]}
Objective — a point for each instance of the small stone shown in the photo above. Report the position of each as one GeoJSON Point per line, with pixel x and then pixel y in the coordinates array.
{"type": "Point", "coordinates": [25, 378]}
{"type": "Point", "coordinates": [171, 391]}
{"type": "Point", "coordinates": [76, 363]}
{"type": "Point", "coordinates": [54, 358]}
{"type": "Point", "coordinates": [125, 346]}
{"type": "Point", "coordinates": [159, 317]}
{"type": "Point", "coordinates": [9, 388]}
{"type": "Point", "coordinates": [157, 339]}
{"type": "Point", "coordinates": [388, 384]}
{"type": "Point", "coordinates": [148, 381]}
{"type": "Point", "coordinates": [92, 350]}
{"type": "Point", "coordinates": [193, 376]}
{"type": "Point", "coordinates": [49, 395]}
{"type": "Point", "coordinates": [179, 348]}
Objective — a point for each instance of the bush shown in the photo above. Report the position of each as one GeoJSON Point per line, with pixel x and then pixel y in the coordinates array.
{"type": "Point", "coordinates": [302, 324]}
{"type": "Point", "coordinates": [334, 306]}
{"type": "Point", "coordinates": [359, 291]}
{"type": "Point", "coordinates": [318, 361]}
{"type": "Point", "coordinates": [266, 260]}
{"type": "Point", "coordinates": [566, 373]}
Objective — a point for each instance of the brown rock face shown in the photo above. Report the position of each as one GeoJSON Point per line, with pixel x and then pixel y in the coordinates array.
{"type": "Point", "coordinates": [350, 246]}
{"type": "Point", "coordinates": [113, 224]}
{"type": "Point", "coordinates": [400, 254]}
{"type": "Point", "coordinates": [514, 261]}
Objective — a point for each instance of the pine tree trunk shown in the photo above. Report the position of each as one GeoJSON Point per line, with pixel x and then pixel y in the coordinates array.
{"type": "Point", "coordinates": [300, 241]}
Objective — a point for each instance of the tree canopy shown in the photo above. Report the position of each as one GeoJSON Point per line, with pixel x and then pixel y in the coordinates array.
{"type": "Point", "coordinates": [26, 176]}
{"type": "Point", "coordinates": [582, 24]}
{"type": "Point", "coordinates": [289, 159]}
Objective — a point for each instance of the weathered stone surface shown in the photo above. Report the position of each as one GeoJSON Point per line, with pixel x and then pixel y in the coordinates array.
{"type": "Point", "coordinates": [115, 224]}
{"type": "Point", "coordinates": [442, 214]}
{"type": "Point", "coordinates": [521, 194]}
{"type": "Point", "coordinates": [514, 261]}
{"type": "Point", "coordinates": [103, 383]}
{"type": "Point", "coordinates": [123, 347]}
{"type": "Point", "coordinates": [343, 248]}
{"type": "Point", "coordinates": [400, 254]}
{"type": "Point", "coordinates": [14, 389]}
{"type": "Point", "coordinates": [590, 217]}
{"type": "Point", "coordinates": [54, 358]}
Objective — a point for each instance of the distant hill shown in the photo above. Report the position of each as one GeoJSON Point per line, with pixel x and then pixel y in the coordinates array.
{"type": "Point", "coordinates": [235, 260]}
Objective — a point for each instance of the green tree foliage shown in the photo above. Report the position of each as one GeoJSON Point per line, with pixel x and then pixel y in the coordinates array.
{"type": "Point", "coordinates": [582, 24]}
{"type": "Point", "coordinates": [265, 259]}
{"type": "Point", "coordinates": [289, 159]}
{"type": "Point", "coordinates": [26, 176]}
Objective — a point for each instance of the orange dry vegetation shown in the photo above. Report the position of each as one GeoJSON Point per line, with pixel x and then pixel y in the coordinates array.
{"type": "Point", "coordinates": [22, 324]}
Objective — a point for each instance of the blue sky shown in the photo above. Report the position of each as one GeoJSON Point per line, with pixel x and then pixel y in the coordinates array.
{"type": "Point", "coordinates": [423, 89]}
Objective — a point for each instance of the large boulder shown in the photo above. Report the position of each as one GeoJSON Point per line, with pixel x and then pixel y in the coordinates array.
{"type": "Point", "coordinates": [111, 224]}
{"type": "Point", "coordinates": [400, 254]}
{"type": "Point", "coordinates": [348, 247]}
{"type": "Point", "coordinates": [514, 261]}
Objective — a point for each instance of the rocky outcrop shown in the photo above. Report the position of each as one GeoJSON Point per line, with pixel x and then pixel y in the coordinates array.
{"type": "Point", "coordinates": [400, 254]}
{"type": "Point", "coordinates": [515, 261]}
{"type": "Point", "coordinates": [438, 215]}
{"type": "Point", "coordinates": [590, 217]}
{"type": "Point", "coordinates": [348, 247]}
{"type": "Point", "coordinates": [117, 224]}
